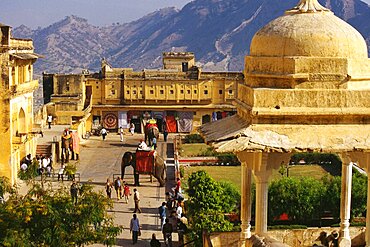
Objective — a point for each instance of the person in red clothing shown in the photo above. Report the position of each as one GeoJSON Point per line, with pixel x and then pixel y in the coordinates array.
{"type": "Point", "coordinates": [126, 192]}
{"type": "Point", "coordinates": [178, 186]}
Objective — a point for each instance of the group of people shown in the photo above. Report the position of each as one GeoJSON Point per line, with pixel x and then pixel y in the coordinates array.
{"type": "Point", "coordinates": [44, 163]}
{"type": "Point", "coordinates": [121, 187]}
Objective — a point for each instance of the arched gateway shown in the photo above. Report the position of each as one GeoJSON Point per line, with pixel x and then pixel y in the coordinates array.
{"type": "Point", "coordinates": [307, 88]}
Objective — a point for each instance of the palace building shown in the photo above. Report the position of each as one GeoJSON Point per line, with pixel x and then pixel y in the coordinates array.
{"type": "Point", "coordinates": [16, 94]}
{"type": "Point", "coordinates": [180, 93]}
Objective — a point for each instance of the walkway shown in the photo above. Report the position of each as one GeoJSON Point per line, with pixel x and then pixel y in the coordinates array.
{"type": "Point", "coordinates": [100, 159]}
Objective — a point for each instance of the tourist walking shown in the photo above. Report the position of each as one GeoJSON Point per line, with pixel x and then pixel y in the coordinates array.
{"type": "Point", "coordinates": [137, 201]}
{"type": "Point", "coordinates": [118, 187]}
{"type": "Point", "coordinates": [61, 172]}
{"type": "Point", "coordinates": [108, 188]}
{"type": "Point", "coordinates": [134, 228]}
{"type": "Point", "coordinates": [154, 242]}
{"type": "Point", "coordinates": [121, 133]}
{"type": "Point", "coordinates": [167, 233]}
{"type": "Point", "coordinates": [103, 133]}
{"type": "Point", "coordinates": [132, 128]}
{"type": "Point", "coordinates": [162, 210]}
{"type": "Point", "coordinates": [74, 192]}
{"type": "Point", "coordinates": [50, 120]}
{"type": "Point", "coordinates": [126, 192]}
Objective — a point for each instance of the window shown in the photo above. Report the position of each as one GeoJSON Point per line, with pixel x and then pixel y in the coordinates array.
{"type": "Point", "coordinates": [113, 92]}
{"type": "Point", "coordinates": [182, 91]}
{"type": "Point", "coordinates": [141, 91]}
{"type": "Point", "coordinates": [161, 91]}
{"type": "Point", "coordinates": [195, 91]}
{"type": "Point", "coordinates": [151, 91]}
{"type": "Point", "coordinates": [128, 92]}
{"type": "Point", "coordinates": [188, 91]}
{"type": "Point", "coordinates": [97, 87]}
{"type": "Point", "coordinates": [67, 86]}
{"type": "Point", "coordinates": [171, 91]}
{"type": "Point", "coordinates": [230, 91]}
{"type": "Point", "coordinates": [112, 86]}
{"type": "Point", "coordinates": [219, 91]}
{"type": "Point", "coordinates": [134, 92]}
{"type": "Point", "coordinates": [205, 91]}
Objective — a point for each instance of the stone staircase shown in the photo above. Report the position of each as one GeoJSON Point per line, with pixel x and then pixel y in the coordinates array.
{"type": "Point", "coordinates": [43, 149]}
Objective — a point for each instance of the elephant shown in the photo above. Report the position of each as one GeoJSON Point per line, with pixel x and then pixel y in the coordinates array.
{"type": "Point", "coordinates": [151, 131]}
{"type": "Point", "coordinates": [129, 159]}
{"type": "Point", "coordinates": [158, 171]}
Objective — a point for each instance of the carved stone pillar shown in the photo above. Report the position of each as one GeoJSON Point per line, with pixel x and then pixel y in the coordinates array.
{"type": "Point", "coordinates": [261, 201]}
{"type": "Point", "coordinates": [246, 203]}
{"type": "Point", "coordinates": [345, 204]}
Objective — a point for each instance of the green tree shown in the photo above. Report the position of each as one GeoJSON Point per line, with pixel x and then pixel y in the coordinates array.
{"type": "Point", "coordinates": [298, 197]}
{"type": "Point", "coordinates": [49, 218]}
{"type": "Point", "coordinates": [208, 202]}
{"type": "Point", "coordinates": [5, 186]}
{"type": "Point", "coordinates": [330, 200]}
{"type": "Point", "coordinates": [359, 194]}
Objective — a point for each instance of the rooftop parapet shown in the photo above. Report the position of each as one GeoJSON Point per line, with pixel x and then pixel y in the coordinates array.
{"type": "Point", "coordinates": [178, 54]}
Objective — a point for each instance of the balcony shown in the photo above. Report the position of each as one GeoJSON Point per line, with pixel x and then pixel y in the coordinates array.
{"type": "Point", "coordinates": [26, 87]}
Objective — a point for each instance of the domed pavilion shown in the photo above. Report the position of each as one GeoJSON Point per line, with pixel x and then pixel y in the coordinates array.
{"type": "Point", "coordinates": [306, 89]}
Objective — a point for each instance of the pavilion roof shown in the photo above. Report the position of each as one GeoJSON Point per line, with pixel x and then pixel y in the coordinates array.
{"type": "Point", "coordinates": [234, 134]}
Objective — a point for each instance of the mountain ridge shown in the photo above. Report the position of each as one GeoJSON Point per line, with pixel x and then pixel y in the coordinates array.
{"type": "Point", "coordinates": [218, 32]}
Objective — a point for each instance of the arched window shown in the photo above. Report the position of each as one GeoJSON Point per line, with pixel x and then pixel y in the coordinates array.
{"type": "Point", "coordinates": [22, 124]}
{"type": "Point", "coordinates": [30, 72]}
{"type": "Point", "coordinates": [13, 75]}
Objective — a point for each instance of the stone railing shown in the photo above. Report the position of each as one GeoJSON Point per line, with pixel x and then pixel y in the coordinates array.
{"type": "Point", "coordinates": [291, 237]}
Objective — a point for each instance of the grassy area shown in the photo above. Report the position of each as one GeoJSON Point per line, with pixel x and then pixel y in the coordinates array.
{"type": "Point", "coordinates": [192, 150]}
{"type": "Point", "coordinates": [233, 173]}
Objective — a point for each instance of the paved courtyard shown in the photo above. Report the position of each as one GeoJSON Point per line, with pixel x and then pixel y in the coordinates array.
{"type": "Point", "coordinates": [100, 160]}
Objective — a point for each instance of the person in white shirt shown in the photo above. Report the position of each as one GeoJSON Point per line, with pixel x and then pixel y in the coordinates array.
{"type": "Point", "coordinates": [121, 133]}
{"type": "Point", "coordinates": [179, 210]}
{"type": "Point", "coordinates": [50, 120]}
{"type": "Point", "coordinates": [103, 133]}
{"type": "Point", "coordinates": [24, 167]}
{"type": "Point", "coordinates": [134, 228]}
{"type": "Point", "coordinates": [143, 146]}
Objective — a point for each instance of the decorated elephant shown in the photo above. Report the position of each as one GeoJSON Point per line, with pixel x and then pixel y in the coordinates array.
{"type": "Point", "coordinates": [129, 159]}
{"type": "Point", "coordinates": [145, 163]}
{"type": "Point", "coordinates": [151, 130]}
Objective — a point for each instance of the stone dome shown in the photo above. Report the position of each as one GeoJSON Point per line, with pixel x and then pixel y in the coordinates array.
{"type": "Point", "coordinates": [308, 30]}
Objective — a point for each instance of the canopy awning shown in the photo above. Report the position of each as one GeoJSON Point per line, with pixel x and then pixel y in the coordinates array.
{"type": "Point", "coordinates": [26, 56]}
{"type": "Point", "coordinates": [233, 134]}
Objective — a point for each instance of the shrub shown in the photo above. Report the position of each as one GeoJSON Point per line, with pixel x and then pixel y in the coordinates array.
{"type": "Point", "coordinates": [228, 158]}
{"type": "Point", "coordinates": [208, 152]}
{"type": "Point", "coordinates": [193, 138]}
{"type": "Point", "coordinates": [31, 171]}
{"type": "Point", "coordinates": [316, 158]}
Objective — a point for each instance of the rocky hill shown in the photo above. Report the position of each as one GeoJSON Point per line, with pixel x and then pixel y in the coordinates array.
{"type": "Point", "coordinates": [218, 31]}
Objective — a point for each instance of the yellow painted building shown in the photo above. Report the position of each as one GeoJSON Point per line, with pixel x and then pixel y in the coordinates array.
{"type": "Point", "coordinates": [16, 106]}
{"type": "Point", "coordinates": [180, 92]}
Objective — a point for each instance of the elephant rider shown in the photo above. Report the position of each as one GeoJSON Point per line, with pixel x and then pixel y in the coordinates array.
{"type": "Point", "coordinates": [143, 146]}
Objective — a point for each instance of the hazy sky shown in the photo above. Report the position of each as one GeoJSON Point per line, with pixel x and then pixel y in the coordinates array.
{"type": "Point", "coordinates": [34, 13]}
